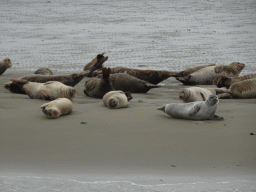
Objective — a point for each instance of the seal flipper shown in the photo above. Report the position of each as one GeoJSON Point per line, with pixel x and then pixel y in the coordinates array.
{"type": "Point", "coordinates": [194, 110]}
{"type": "Point", "coordinates": [45, 96]}
{"type": "Point", "coordinates": [217, 118]}
{"type": "Point", "coordinates": [150, 86]}
{"type": "Point", "coordinates": [203, 96]}
{"type": "Point", "coordinates": [128, 95]}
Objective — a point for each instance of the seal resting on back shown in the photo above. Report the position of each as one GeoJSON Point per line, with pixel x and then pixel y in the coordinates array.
{"type": "Point", "coordinates": [70, 80]}
{"type": "Point", "coordinates": [199, 110]}
{"type": "Point", "coordinates": [115, 100]}
{"type": "Point", "coordinates": [96, 63]}
{"type": "Point", "coordinates": [151, 76]}
{"type": "Point", "coordinates": [44, 71]}
{"type": "Point", "coordinates": [4, 65]}
{"type": "Point", "coordinates": [57, 107]}
{"type": "Point", "coordinates": [206, 75]}
{"type": "Point", "coordinates": [241, 90]}
{"type": "Point", "coordinates": [192, 94]}
{"type": "Point", "coordinates": [223, 81]}
{"type": "Point", "coordinates": [47, 91]}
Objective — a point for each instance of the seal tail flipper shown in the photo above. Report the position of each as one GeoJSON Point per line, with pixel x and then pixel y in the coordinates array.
{"type": "Point", "coordinates": [225, 96]}
{"type": "Point", "coordinates": [128, 95]}
{"type": "Point", "coordinates": [221, 90]}
{"type": "Point", "coordinates": [19, 82]}
{"type": "Point", "coordinates": [162, 108]}
{"type": "Point", "coordinates": [217, 118]}
{"type": "Point", "coordinates": [151, 86]}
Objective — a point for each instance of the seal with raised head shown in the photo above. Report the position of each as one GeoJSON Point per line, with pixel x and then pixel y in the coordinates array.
{"type": "Point", "coordinates": [188, 71]}
{"type": "Point", "coordinates": [96, 63]}
{"type": "Point", "coordinates": [47, 91]}
{"type": "Point", "coordinates": [192, 94]}
{"type": "Point", "coordinates": [43, 71]}
{"type": "Point", "coordinates": [241, 90]}
{"type": "Point", "coordinates": [70, 80]}
{"type": "Point", "coordinates": [151, 76]}
{"type": "Point", "coordinates": [4, 65]}
{"type": "Point", "coordinates": [198, 110]}
{"type": "Point", "coordinates": [115, 100]}
{"type": "Point", "coordinates": [96, 87]}
{"type": "Point", "coordinates": [206, 75]}
{"type": "Point", "coordinates": [57, 107]}
{"type": "Point", "coordinates": [223, 81]}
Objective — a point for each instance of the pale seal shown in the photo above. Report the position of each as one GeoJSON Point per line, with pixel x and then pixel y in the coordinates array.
{"type": "Point", "coordinates": [206, 75]}
{"type": "Point", "coordinates": [47, 91]}
{"type": "Point", "coordinates": [192, 94]}
{"type": "Point", "coordinates": [96, 63]}
{"type": "Point", "coordinates": [188, 71]}
{"type": "Point", "coordinates": [44, 71]}
{"type": "Point", "coordinates": [4, 65]}
{"type": "Point", "coordinates": [223, 81]}
{"type": "Point", "coordinates": [57, 107]}
{"type": "Point", "coordinates": [151, 76]}
{"type": "Point", "coordinates": [241, 90]}
{"type": "Point", "coordinates": [199, 110]}
{"type": "Point", "coordinates": [115, 100]}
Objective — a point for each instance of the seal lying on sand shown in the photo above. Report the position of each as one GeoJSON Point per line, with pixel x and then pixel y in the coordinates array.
{"type": "Point", "coordinates": [115, 99]}
{"type": "Point", "coordinates": [128, 83]}
{"type": "Point", "coordinates": [96, 87]}
{"type": "Point", "coordinates": [188, 71]}
{"type": "Point", "coordinates": [96, 63]}
{"type": "Point", "coordinates": [5, 64]}
{"type": "Point", "coordinates": [47, 91]}
{"type": "Point", "coordinates": [44, 71]}
{"type": "Point", "coordinates": [70, 80]}
{"type": "Point", "coordinates": [151, 76]}
{"type": "Point", "coordinates": [192, 94]}
{"type": "Point", "coordinates": [222, 81]}
{"type": "Point", "coordinates": [205, 76]}
{"type": "Point", "coordinates": [58, 107]}
{"type": "Point", "coordinates": [241, 90]}
{"type": "Point", "coordinates": [199, 110]}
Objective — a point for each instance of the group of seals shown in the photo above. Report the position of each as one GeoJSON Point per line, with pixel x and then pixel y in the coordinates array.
{"type": "Point", "coordinates": [4, 65]}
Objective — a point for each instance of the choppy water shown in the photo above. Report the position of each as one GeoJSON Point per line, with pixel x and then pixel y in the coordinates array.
{"type": "Point", "coordinates": [168, 35]}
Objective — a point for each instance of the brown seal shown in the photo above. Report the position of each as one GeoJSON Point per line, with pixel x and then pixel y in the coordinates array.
{"type": "Point", "coordinates": [47, 91]}
{"type": "Point", "coordinates": [151, 76]}
{"type": "Point", "coordinates": [115, 99]}
{"type": "Point", "coordinates": [96, 63]}
{"type": "Point", "coordinates": [70, 80]}
{"type": "Point", "coordinates": [188, 71]}
{"type": "Point", "coordinates": [206, 75]}
{"type": "Point", "coordinates": [192, 94]}
{"type": "Point", "coordinates": [223, 81]}
{"type": "Point", "coordinates": [57, 107]}
{"type": "Point", "coordinates": [44, 71]}
{"type": "Point", "coordinates": [4, 65]}
{"type": "Point", "coordinates": [241, 90]}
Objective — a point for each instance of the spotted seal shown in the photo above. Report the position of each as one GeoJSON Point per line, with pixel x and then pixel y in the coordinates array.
{"type": "Point", "coordinates": [4, 65]}
{"type": "Point", "coordinates": [43, 71]}
{"type": "Point", "coordinates": [115, 99]}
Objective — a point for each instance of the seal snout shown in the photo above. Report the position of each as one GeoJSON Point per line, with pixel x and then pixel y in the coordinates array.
{"type": "Point", "coordinates": [112, 103]}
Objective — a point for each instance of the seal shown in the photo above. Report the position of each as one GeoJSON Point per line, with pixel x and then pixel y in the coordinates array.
{"type": "Point", "coordinates": [44, 71]}
{"type": "Point", "coordinates": [96, 63]}
{"type": "Point", "coordinates": [241, 90]}
{"type": "Point", "coordinates": [151, 76]}
{"type": "Point", "coordinates": [188, 71]}
{"type": "Point", "coordinates": [223, 81]}
{"type": "Point", "coordinates": [70, 80]}
{"type": "Point", "coordinates": [47, 91]}
{"type": "Point", "coordinates": [115, 100]}
{"type": "Point", "coordinates": [206, 75]}
{"type": "Point", "coordinates": [198, 110]}
{"type": "Point", "coordinates": [96, 87]}
{"type": "Point", "coordinates": [192, 94]}
{"type": "Point", "coordinates": [57, 107]}
{"type": "Point", "coordinates": [4, 65]}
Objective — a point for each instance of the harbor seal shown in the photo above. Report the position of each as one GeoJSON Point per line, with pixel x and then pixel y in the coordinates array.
{"type": "Point", "coordinates": [192, 94]}
{"type": "Point", "coordinates": [198, 110]}
{"type": "Point", "coordinates": [115, 100]}
{"type": "Point", "coordinates": [43, 71]}
{"type": "Point", "coordinates": [223, 81]}
{"type": "Point", "coordinates": [57, 107]}
{"type": "Point", "coordinates": [188, 71]}
{"type": "Point", "coordinates": [205, 76]}
{"type": "Point", "coordinates": [47, 91]}
{"type": "Point", "coordinates": [4, 65]}
{"type": "Point", "coordinates": [241, 90]}
{"type": "Point", "coordinates": [151, 76]}
{"type": "Point", "coordinates": [96, 87]}
{"type": "Point", "coordinates": [70, 80]}
{"type": "Point", "coordinates": [96, 63]}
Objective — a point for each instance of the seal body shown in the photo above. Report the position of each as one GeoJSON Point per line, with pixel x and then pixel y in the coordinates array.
{"type": "Point", "coordinates": [199, 110]}
{"type": "Point", "coordinates": [205, 76]}
{"type": "Point", "coordinates": [188, 71]}
{"type": "Point", "coordinates": [4, 65]}
{"type": "Point", "coordinates": [47, 91]}
{"type": "Point", "coordinates": [43, 71]}
{"type": "Point", "coordinates": [192, 94]}
{"type": "Point", "coordinates": [96, 87]}
{"type": "Point", "coordinates": [57, 107]}
{"type": "Point", "coordinates": [115, 99]}
{"type": "Point", "coordinates": [96, 63]}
